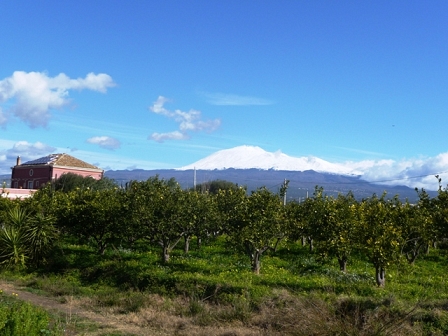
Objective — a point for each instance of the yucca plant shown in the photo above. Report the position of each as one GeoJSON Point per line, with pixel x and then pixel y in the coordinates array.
{"type": "Point", "coordinates": [40, 234]}
{"type": "Point", "coordinates": [25, 238]}
{"type": "Point", "coordinates": [14, 248]}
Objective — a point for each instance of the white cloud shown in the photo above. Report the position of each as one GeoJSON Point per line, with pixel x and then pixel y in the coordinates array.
{"type": "Point", "coordinates": [105, 142]}
{"type": "Point", "coordinates": [414, 172]}
{"type": "Point", "coordinates": [33, 94]}
{"type": "Point", "coordinates": [3, 118]}
{"type": "Point", "coordinates": [234, 100]}
{"type": "Point", "coordinates": [28, 151]}
{"type": "Point", "coordinates": [161, 137]}
{"type": "Point", "coordinates": [362, 151]}
{"type": "Point", "coordinates": [188, 121]}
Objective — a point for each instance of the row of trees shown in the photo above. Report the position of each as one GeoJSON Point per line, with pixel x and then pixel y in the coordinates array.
{"type": "Point", "coordinates": [161, 212]}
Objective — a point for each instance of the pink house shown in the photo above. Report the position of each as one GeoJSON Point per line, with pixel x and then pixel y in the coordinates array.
{"type": "Point", "coordinates": [33, 174]}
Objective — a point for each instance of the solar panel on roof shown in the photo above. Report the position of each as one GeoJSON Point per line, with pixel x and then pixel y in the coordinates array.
{"type": "Point", "coordinates": [43, 160]}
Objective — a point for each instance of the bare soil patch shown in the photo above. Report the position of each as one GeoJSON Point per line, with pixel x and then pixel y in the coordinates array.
{"type": "Point", "coordinates": [146, 322]}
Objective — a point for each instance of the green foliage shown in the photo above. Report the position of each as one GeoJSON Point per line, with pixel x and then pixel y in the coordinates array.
{"type": "Point", "coordinates": [70, 181]}
{"type": "Point", "coordinates": [13, 246]}
{"type": "Point", "coordinates": [25, 238]}
{"type": "Point", "coordinates": [332, 222]}
{"type": "Point", "coordinates": [200, 216]}
{"type": "Point", "coordinates": [231, 206]}
{"type": "Point", "coordinates": [157, 206]}
{"type": "Point", "coordinates": [260, 226]}
{"type": "Point", "coordinates": [380, 236]}
{"type": "Point", "coordinates": [292, 280]}
{"type": "Point", "coordinates": [416, 225]}
{"type": "Point", "coordinates": [41, 234]}
{"type": "Point", "coordinates": [19, 318]}
{"type": "Point", "coordinates": [5, 205]}
{"type": "Point", "coordinates": [294, 222]}
{"type": "Point", "coordinates": [93, 214]}
{"type": "Point", "coordinates": [150, 217]}
{"type": "Point", "coordinates": [213, 187]}
{"type": "Point", "coordinates": [440, 211]}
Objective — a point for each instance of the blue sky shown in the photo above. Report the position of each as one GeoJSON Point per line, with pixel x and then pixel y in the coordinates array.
{"type": "Point", "coordinates": [162, 84]}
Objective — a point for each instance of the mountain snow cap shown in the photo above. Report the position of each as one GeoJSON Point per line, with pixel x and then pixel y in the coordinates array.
{"type": "Point", "coordinates": [248, 157]}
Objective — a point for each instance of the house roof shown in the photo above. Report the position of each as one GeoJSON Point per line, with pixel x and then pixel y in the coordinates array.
{"type": "Point", "coordinates": [63, 159]}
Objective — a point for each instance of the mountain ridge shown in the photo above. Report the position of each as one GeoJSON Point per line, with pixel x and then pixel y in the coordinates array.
{"type": "Point", "coordinates": [253, 167]}
{"type": "Point", "coordinates": [301, 183]}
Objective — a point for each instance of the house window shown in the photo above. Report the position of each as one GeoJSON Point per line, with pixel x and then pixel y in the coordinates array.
{"type": "Point", "coordinates": [37, 184]}
{"type": "Point", "coordinates": [16, 185]}
{"type": "Point", "coordinates": [31, 172]}
{"type": "Point", "coordinates": [30, 184]}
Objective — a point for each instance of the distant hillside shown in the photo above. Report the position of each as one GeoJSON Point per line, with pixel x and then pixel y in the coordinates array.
{"type": "Point", "coordinates": [300, 183]}
{"type": "Point", "coordinates": [6, 178]}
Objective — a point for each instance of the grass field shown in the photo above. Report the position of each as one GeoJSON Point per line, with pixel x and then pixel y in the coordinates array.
{"type": "Point", "coordinates": [213, 288]}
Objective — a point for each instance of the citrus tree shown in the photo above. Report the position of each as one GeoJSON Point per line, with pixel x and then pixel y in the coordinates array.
{"type": "Point", "coordinates": [314, 214]}
{"type": "Point", "coordinates": [439, 211]}
{"type": "Point", "coordinates": [335, 231]}
{"type": "Point", "coordinates": [417, 226]}
{"type": "Point", "coordinates": [157, 209]}
{"type": "Point", "coordinates": [199, 216]}
{"type": "Point", "coordinates": [295, 229]}
{"type": "Point", "coordinates": [93, 215]}
{"type": "Point", "coordinates": [380, 236]}
{"type": "Point", "coordinates": [261, 222]}
{"type": "Point", "coordinates": [231, 205]}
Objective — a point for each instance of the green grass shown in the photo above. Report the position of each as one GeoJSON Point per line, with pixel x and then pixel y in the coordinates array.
{"type": "Point", "coordinates": [20, 318]}
{"type": "Point", "coordinates": [216, 276]}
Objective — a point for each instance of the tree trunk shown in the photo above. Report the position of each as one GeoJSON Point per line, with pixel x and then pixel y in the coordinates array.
{"type": "Point", "coordinates": [166, 254]}
{"type": "Point", "coordinates": [102, 248]}
{"type": "Point", "coordinates": [256, 264]}
{"type": "Point", "coordinates": [167, 248]}
{"type": "Point", "coordinates": [412, 255]}
{"type": "Point", "coordinates": [199, 243]}
{"type": "Point", "coordinates": [427, 248]}
{"type": "Point", "coordinates": [310, 241]}
{"type": "Point", "coordinates": [303, 241]}
{"type": "Point", "coordinates": [380, 276]}
{"type": "Point", "coordinates": [342, 264]}
{"type": "Point", "coordinates": [277, 242]}
{"type": "Point", "coordinates": [187, 244]}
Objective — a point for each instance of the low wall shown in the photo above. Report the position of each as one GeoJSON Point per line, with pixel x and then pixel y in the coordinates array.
{"type": "Point", "coordinates": [14, 193]}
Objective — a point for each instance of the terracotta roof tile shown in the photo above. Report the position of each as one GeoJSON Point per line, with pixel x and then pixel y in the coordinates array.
{"type": "Point", "coordinates": [60, 160]}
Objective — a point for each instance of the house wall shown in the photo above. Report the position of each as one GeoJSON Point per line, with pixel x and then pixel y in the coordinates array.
{"type": "Point", "coordinates": [30, 177]}
{"type": "Point", "coordinates": [59, 171]}
{"type": "Point", "coordinates": [33, 177]}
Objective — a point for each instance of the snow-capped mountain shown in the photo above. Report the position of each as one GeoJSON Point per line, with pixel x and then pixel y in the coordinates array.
{"type": "Point", "coordinates": [246, 157]}
{"type": "Point", "coordinates": [412, 173]}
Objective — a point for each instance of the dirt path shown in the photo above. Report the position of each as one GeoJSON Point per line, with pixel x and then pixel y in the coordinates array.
{"type": "Point", "coordinates": [73, 311]}
{"type": "Point", "coordinates": [78, 319]}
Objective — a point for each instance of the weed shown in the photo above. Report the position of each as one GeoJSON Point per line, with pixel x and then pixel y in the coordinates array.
{"type": "Point", "coordinates": [19, 318]}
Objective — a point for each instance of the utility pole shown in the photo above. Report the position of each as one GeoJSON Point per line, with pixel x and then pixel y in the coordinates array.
{"type": "Point", "coordinates": [283, 190]}
{"type": "Point", "coordinates": [194, 179]}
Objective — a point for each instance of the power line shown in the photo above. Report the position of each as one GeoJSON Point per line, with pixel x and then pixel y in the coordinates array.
{"type": "Point", "coordinates": [379, 181]}
{"type": "Point", "coordinates": [408, 178]}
